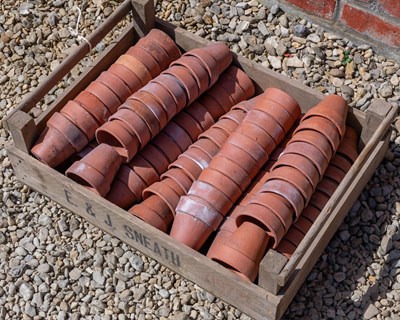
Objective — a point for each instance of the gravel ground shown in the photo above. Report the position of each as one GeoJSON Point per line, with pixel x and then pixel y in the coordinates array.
{"type": "Point", "coordinates": [53, 265]}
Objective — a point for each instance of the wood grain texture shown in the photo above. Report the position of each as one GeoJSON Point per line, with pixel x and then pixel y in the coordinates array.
{"type": "Point", "coordinates": [143, 15]}
{"type": "Point", "coordinates": [23, 130]}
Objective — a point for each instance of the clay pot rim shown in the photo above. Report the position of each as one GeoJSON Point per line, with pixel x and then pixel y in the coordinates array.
{"type": "Point", "coordinates": [242, 79]}
{"type": "Point", "coordinates": [191, 89]}
{"type": "Point", "coordinates": [203, 84]}
{"type": "Point", "coordinates": [139, 215]}
{"type": "Point", "coordinates": [164, 192]}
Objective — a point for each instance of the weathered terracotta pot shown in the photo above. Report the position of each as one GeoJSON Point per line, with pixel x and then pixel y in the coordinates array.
{"type": "Point", "coordinates": [190, 230]}
{"type": "Point", "coordinates": [191, 168]}
{"type": "Point", "coordinates": [97, 169]}
{"type": "Point", "coordinates": [201, 115]}
{"type": "Point", "coordinates": [94, 106]}
{"type": "Point", "coordinates": [265, 121]}
{"type": "Point", "coordinates": [211, 105]}
{"type": "Point", "coordinates": [285, 100]}
{"type": "Point", "coordinates": [156, 158]}
{"type": "Point", "coordinates": [233, 88]}
{"type": "Point", "coordinates": [227, 125]}
{"type": "Point", "coordinates": [264, 217]}
{"type": "Point", "coordinates": [243, 250]}
{"type": "Point", "coordinates": [178, 134]}
{"type": "Point", "coordinates": [239, 140]}
{"type": "Point", "coordinates": [341, 162]}
{"type": "Point", "coordinates": [167, 146]}
{"type": "Point", "coordinates": [120, 193]}
{"type": "Point", "coordinates": [334, 174]}
{"type": "Point", "coordinates": [219, 94]}
{"type": "Point", "coordinates": [81, 118]}
{"type": "Point", "coordinates": [256, 132]}
{"type": "Point", "coordinates": [242, 79]}
{"type": "Point", "coordinates": [334, 108]}
{"type": "Point", "coordinates": [301, 163]}
{"type": "Point", "coordinates": [165, 42]}
{"type": "Point", "coordinates": [222, 51]}
{"type": "Point", "coordinates": [310, 212]}
{"type": "Point", "coordinates": [235, 116]}
{"type": "Point", "coordinates": [294, 236]}
{"type": "Point", "coordinates": [286, 248]}
{"type": "Point", "coordinates": [197, 70]}
{"type": "Point", "coordinates": [180, 178]}
{"type": "Point", "coordinates": [114, 134]}
{"type": "Point", "coordinates": [319, 200]}
{"type": "Point", "coordinates": [294, 177]}
{"type": "Point", "coordinates": [136, 66]}
{"type": "Point", "coordinates": [171, 84]}
{"type": "Point", "coordinates": [148, 211]}
{"type": "Point", "coordinates": [79, 155]}
{"type": "Point", "coordinates": [105, 95]}
{"type": "Point", "coordinates": [348, 148]}
{"type": "Point", "coordinates": [190, 125]}
{"type": "Point", "coordinates": [315, 138]}
{"type": "Point", "coordinates": [144, 170]}
{"type": "Point", "coordinates": [288, 191]}
{"type": "Point", "coordinates": [324, 126]}
{"type": "Point", "coordinates": [165, 192]}
{"type": "Point", "coordinates": [327, 186]}
{"type": "Point", "coordinates": [61, 139]}
{"type": "Point", "coordinates": [163, 97]}
{"type": "Point", "coordinates": [201, 158]}
{"type": "Point", "coordinates": [302, 224]}
{"type": "Point", "coordinates": [115, 84]}
{"type": "Point", "coordinates": [126, 75]}
{"type": "Point", "coordinates": [207, 146]}
{"type": "Point", "coordinates": [146, 58]}
{"type": "Point", "coordinates": [310, 152]}
{"type": "Point", "coordinates": [216, 135]}
{"type": "Point", "coordinates": [132, 122]}
{"type": "Point", "coordinates": [186, 80]}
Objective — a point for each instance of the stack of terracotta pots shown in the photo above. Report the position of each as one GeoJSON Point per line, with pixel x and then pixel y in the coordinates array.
{"type": "Point", "coordinates": [176, 137]}
{"type": "Point", "coordinates": [145, 113]}
{"type": "Point", "coordinates": [334, 174]}
{"type": "Point", "coordinates": [232, 169]}
{"type": "Point", "coordinates": [161, 198]}
{"type": "Point", "coordinates": [71, 130]}
{"type": "Point", "coordinates": [289, 187]}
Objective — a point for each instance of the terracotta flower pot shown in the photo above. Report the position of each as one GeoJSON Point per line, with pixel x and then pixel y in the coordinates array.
{"type": "Point", "coordinates": [105, 95]}
{"type": "Point", "coordinates": [186, 80]}
{"type": "Point", "coordinates": [341, 162]}
{"type": "Point", "coordinates": [165, 192]}
{"type": "Point", "coordinates": [97, 169]}
{"type": "Point", "coordinates": [265, 218]}
{"type": "Point", "coordinates": [286, 248]}
{"type": "Point", "coordinates": [215, 197]}
{"type": "Point", "coordinates": [144, 170]}
{"type": "Point", "coordinates": [237, 173]}
{"type": "Point", "coordinates": [81, 118]}
{"type": "Point", "coordinates": [232, 88]}
{"type": "Point", "coordinates": [79, 155]}
{"type": "Point", "coordinates": [322, 125]}
{"type": "Point", "coordinates": [132, 122]}
{"type": "Point", "coordinates": [193, 230]}
{"type": "Point", "coordinates": [163, 97]}
{"type": "Point", "coordinates": [146, 58]}
{"type": "Point", "coordinates": [222, 51]}
{"type": "Point", "coordinates": [315, 138]}
{"type": "Point", "coordinates": [285, 100]}
{"type": "Point", "coordinates": [207, 146]}
{"type": "Point", "coordinates": [115, 84]}
{"type": "Point", "coordinates": [127, 76]}
{"type": "Point", "coordinates": [201, 158]}
{"type": "Point", "coordinates": [222, 182]}
{"type": "Point", "coordinates": [234, 115]}
{"type": "Point", "coordinates": [334, 108]}
{"type": "Point", "coordinates": [201, 115]}
{"type": "Point", "coordinates": [156, 158]}
{"type": "Point", "coordinates": [94, 106]}
{"type": "Point", "coordinates": [327, 186]}
{"type": "Point", "coordinates": [136, 66]}
{"type": "Point", "coordinates": [190, 167]}
{"type": "Point", "coordinates": [211, 105]}
{"type": "Point", "coordinates": [180, 178]}
{"type": "Point", "coordinates": [215, 135]}
{"type": "Point", "coordinates": [167, 146]}
{"type": "Point", "coordinates": [120, 193]}
{"type": "Point", "coordinates": [301, 163]}
{"type": "Point", "coordinates": [114, 134]}
{"type": "Point", "coordinates": [222, 97]}
{"type": "Point", "coordinates": [268, 123]}
{"type": "Point", "coordinates": [243, 250]}
{"type": "Point", "coordinates": [294, 236]}
{"type": "Point", "coordinates": [242, 79]}
{"type": "Point", "coordinates": [171, 84]}
{"type": "Point", "coordinates": [256, 132]}
{"type": "Point", "coordinates": [319, 200]}
{"type": "Point", "coordinates": [155, 108]}
{"type": "Point", "coordinates": [294, 177]}
{"type": "Point", "coordinates": [178, 134]}
{"type": "Point", "coordinates": [288, 191]}
{"type": "Point", "coordinates": [150, 215]}
{"type": "Point", "coordinates": [191, 126]}
{"type": "Point", "coordinates": [310, 212]}
{"type": "Point", "coordinates": [276, 204]}
{"type": "Point", "coordinates": [59, 141]}
{"type": "Point", "coordinates": [310, 152]}
{"type": "Point", "coordinates": [348, 149]}
{"type": "Point", "coordinates": [302, 224]}
{"type": "Point", "coordinates": [334, 174]}
{"type": "Point", "coordinates": [197, 70]}
{"type": "Point", "coordinates": [227, 125]}
{"type": "Point", "coordinates": [126, 188]}
{"type": "Point", "coordinates": [165, 42]}
{"type": "Point", "coordinates": [251, 146]}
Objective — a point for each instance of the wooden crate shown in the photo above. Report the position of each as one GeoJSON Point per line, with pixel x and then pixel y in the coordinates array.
{"type": "Point", "coordinates": [279, 278]}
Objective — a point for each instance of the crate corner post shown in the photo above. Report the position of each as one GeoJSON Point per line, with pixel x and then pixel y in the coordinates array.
{"type": "Point", "coordinates": [143, 14]}
{"type": "Point", "coordinates": [23, 129]}
{"type": "Point", "coordinates": [270, 267]}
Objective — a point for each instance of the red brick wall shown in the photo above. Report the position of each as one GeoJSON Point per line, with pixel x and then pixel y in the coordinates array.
{"type": "Point", "coordinates": [376, 19]}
